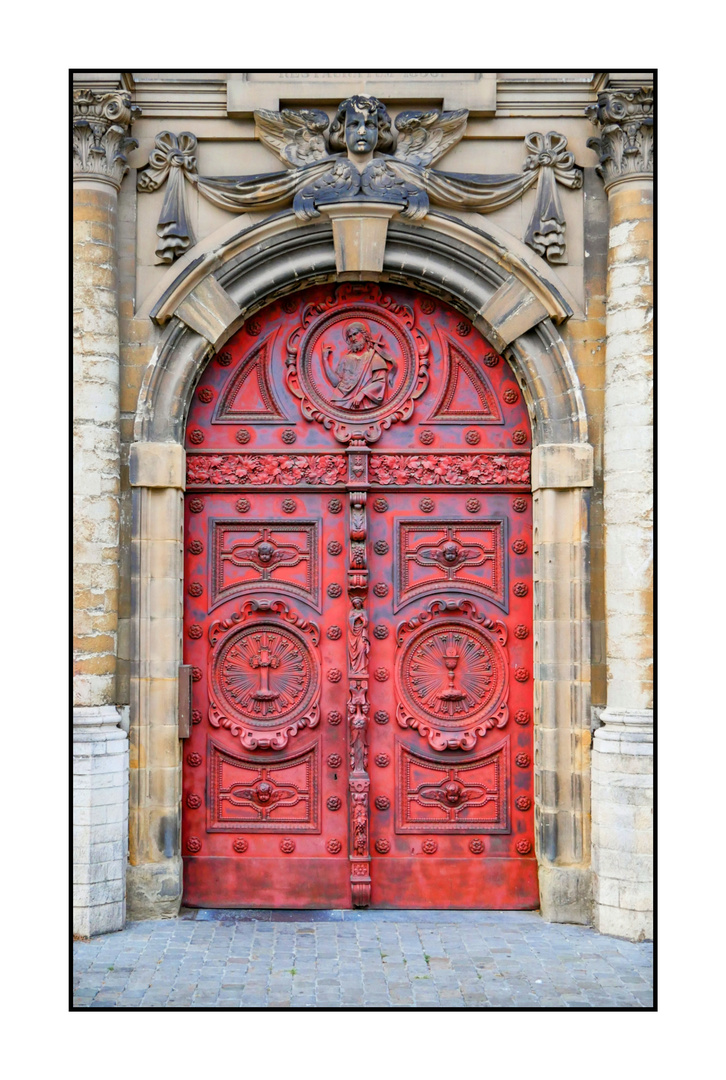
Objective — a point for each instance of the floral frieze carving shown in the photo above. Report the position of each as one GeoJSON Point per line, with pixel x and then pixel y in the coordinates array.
{"type": "Point", "coordinates": [278, 470]}
{"type": "Point", "coordinates": [364, 156]}
{"type": "Point", "coordinates": [480, 470]}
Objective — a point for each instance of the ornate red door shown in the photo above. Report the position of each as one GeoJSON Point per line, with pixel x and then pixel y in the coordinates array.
{"type": "Point", "coordinates": [358, 612]}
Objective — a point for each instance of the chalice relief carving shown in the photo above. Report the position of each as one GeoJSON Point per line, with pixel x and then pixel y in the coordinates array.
{"type": "Point", "coordinates": [363, 372]}
{"type": "Point", "coordinates": [451, 673]}
{"type": "Point", "coordinates": [264, 673]}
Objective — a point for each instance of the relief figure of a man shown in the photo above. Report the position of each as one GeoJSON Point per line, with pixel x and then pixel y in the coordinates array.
{"type": "Point", "coordinates": [363, 370]}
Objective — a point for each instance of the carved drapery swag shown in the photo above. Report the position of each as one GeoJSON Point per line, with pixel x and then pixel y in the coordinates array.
{"type": "Point", "coordinates": [358, 157]}
{"type": "Point", "coordinates": [101, 125]}
{"type": "Point", "coordinates": [625, 146]}
{"type": "Point", "coordinates": [173, 159]}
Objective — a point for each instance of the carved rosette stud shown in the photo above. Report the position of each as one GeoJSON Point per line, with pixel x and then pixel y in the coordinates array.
{"type": "Point", "coordinates": [195, 631]}
{"type": "Point", "coordinates": [243, 436]}
{"type": "Point", "coordinates": [381, 632]}
{"type": "Point", "coordinates": [625, 146]}
{"type": "Point", "coordinates": [426, 436]}
{"type": "Point", "coordinates": [335, 675]}
{"type": "Point", "coordinates": [476, 846]}
{"type": "Point", "coordinates": [335, 506]}
{"type": "Point", "coordinates": [334, 591]}
{"type": "Point", "coordinates": [195, 589]}
{"type": "Point", "coordinates": [242, 505]}
{"type": "Point", "coordinates": [381, 589]}
{"type": "Point", "coordinates": [519, 437]}
{"type": "Point", "coordinates": [205, 394]}
{"type": "Point", "coordinates": [335, 761]}
{"type": "Point", "coordinates": [381, 716]}
{"type": "Point", "coordinates": [194, 801]}
{"type": "Point", "coordinates": [196, 505]}
{"type": "Point", "coordinates": [194, 844]}
{"type": "Point", "coordinates": [101, 125]}
{"type": "Point", "coordinates": [452, 674]}
{"type": "Point", "coordinates": [524, 846]}
{"type": "Point", "coordinates": [491, 360]}
{"type": "Point", "coordinates": [510, 396]}
{"type": "Point", "coordinates": [224, 358]}
{"type": "Point", "coordinates": [382, 760]}
{"type": "Point", "coordinates": [264, 674]}
{"type": "Point", "coordinates": [195, 760]}
{"type": "Point", "coordinates": [196, 547]}
{"type": "Point", "coordinates": [521, 631]}
{"type": "Point", "coordinates": [383, 846]}
{"type": "Point", "coordinates": [522, 717]}
{"type": "Point", "coordinates": [383, 802]}
{"type": "Point", "coordinates": [473, 506]}
{"type": "Point", "coordinates": [521, 674]}
{"type": "Point", "coordinates": [334, 802]}
{"type": "Point", "coordinates": [334, 717]}
{"type": "Point", "coordinates": [522, 761]}
{"type": "Point", "coordinates": [380, 506]}
{"type": "Point", "coordinates": [196, 716]}
{"type": "Point", "coordinates": [334, 846]}
{"type": "Point", "coordinates": [288, 436]}
{"type": "Point", "coordinates": [519, 547]}
{"type": "Point", "coordinates": [197, 674]}
{"type": "Point", "coordinates": [427, 506]}
{"type": "Point", "coordinates": [287, 846]}
{"type": "Point", "coordinates": [335, 547]}
{"type": "Point", "coordinates": [473, 437]}
{"type": "Point", "coordinates": [520, 588]}
{"type": "Point", "coordinates": [334, 633]}
{"type": "Point", "coordinates": [519, 505]}
{"type": "Point", "coordinates": [430, 846]}
{"type": "Point", "coordinates": [240, 845]}
{"type": "Point", "coordinates": [523, 802]}
{"type": "Point", "coordinates": [381, 547]}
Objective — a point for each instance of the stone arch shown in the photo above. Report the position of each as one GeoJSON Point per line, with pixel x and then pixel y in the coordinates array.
{"type": "Point", "coordinates": [516, 305]}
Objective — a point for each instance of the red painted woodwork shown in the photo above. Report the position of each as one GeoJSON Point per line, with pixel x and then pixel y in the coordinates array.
{"type": "Point", "coordinates": [358, 612]}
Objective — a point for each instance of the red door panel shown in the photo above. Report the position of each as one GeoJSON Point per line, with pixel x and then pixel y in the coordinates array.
{"type": "Point", "coordinates": [358, 612]}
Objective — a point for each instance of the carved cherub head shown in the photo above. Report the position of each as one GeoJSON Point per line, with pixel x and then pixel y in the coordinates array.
{"type": "Point", "coordinates": [361, 125]}
{"type": "Point", "coordinates": [265, 551]}
{"type": "Point", "coordinates": [450, 551]}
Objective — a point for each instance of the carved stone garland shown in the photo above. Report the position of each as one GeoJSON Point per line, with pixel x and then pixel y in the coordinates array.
{"type": "Point", "coordinates": [359, 645]}
{"type": "Point", "coordinates": [362, 156]}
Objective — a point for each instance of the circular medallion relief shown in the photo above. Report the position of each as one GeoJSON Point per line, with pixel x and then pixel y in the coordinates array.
{"type": "Point", "coordinates": [264, 674]}
{"type": "Point", "coordinates": [452, 673]}
{"type": "Point", "coordinates": [357, 363]}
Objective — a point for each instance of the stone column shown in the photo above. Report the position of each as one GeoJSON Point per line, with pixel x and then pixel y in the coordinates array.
{"type": "Point", "coordinates": [101, 123]}
{"type": "Point", "coordinates": [622, 764]}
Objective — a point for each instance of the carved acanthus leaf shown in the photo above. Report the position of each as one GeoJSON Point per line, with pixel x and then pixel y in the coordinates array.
{"type": "Point", "coordinates": [625, 146]}
{"type": "Point", "coordinates": [101, 125]}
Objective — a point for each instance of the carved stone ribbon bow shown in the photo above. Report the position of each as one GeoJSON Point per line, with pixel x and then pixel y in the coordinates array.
{"type": "Point", "coordinates": [174, 159]}
{"type": "Point", "coordinates": [546, 230]}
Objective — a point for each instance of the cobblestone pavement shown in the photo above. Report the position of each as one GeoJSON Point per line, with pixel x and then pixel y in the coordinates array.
{"type": "Point", "coordinates": [339, 959]}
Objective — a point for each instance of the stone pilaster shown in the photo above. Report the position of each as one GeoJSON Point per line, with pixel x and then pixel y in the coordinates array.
{"type": "Point", "coordinates": [154, 878]}
{"type": "Point", "coordinates": [622, 749]}
{"type": "Point", "coordinates": [100, 124]}
{"type": "Point", "coordinates": [100, 128]}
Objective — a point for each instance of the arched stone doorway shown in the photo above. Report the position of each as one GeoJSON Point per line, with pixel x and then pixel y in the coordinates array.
{"type": "Point", "coordinates": [515, 310]}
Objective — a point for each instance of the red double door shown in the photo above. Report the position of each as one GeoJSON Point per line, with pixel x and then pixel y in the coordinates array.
{"type": "Point", "coordinates": [358, 611]}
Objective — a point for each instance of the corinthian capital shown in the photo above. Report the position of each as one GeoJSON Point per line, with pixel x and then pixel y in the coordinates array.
{"type": "Point", "coordinates": [101, 125]}
{"type": "Point", "coordinates": [625, 146]}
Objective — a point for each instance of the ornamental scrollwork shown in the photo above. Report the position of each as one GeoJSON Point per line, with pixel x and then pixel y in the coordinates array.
{"type": "Point", "coordinates": [276, 470]}
{"type": "Point", "coordinates": [471, 470]}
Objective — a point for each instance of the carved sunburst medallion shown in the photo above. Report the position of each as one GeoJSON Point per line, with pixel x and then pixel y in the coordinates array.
{"type": "Point", "coordinates": [265, 680]}
{"type": "Point", "coordinates": [452, 675]}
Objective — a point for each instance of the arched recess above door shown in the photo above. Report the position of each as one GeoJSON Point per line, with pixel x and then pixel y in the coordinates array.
{"type": "Point", "coordinates": [511, 301]}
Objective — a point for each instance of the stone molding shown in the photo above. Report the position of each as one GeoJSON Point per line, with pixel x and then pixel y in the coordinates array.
{"type": "Point", "coordinates": [101, 126]}
{"type": "Point", "coordinates": [626, 143]}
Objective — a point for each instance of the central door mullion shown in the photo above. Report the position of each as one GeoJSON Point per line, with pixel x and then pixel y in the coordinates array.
{"type": "Point", "coordinates": [358, 707]}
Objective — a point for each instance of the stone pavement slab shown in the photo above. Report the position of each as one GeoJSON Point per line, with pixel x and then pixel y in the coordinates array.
{"type": "Point", "coordinates": [353, 959]}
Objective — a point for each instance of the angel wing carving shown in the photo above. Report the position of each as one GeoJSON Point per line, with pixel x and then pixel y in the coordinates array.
{"type": "Point", "coordinates": [296, 136]}
{"type": "Point", "coordinates": [424, 137]}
